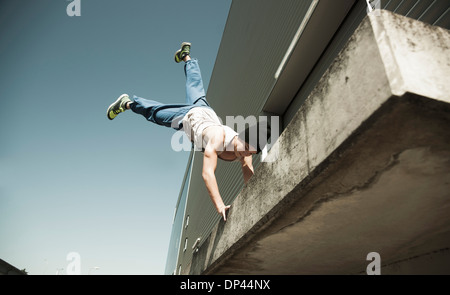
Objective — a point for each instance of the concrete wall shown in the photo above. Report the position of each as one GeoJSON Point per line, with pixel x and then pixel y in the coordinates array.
{"type": "Point", "coordinates": [364, 166]}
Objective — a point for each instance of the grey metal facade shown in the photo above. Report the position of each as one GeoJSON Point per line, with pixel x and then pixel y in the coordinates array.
{"type": "Point", "coordinates": [258, 36]}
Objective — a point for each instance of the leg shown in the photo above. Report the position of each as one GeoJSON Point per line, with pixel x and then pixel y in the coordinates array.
{"type": "Point", "coordinates": [195, 92]}
{"type": "Point", "coordinates": [168, 115]}
{"type": "Point", "coordinates": [194, 82]}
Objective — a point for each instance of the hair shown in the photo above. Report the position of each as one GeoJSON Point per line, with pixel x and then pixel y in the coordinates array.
{"type": "Point", "coordinates": [258, 134]}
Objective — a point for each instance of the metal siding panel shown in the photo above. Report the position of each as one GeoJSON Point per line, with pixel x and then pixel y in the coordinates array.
{"type": "Point", "coordinates": [183, 194]}
{"type": "Point", "coordinates": [391, 5]}
{"type": "Point", "coordinates": [405, 7]}
{"type": "Point", "coordinates": [249, 55]}
{"type": "Point", "coordinates": [419, 8]}
{"type": "Point", "coordinates": [306, 51]}
{"type": "Point", "coordinates": [193, 202]}
{"type": "Point", "coordinates": [357, 13]}
{"type": "Point", "coordinates": [247, 64]}
{"type": "Point", "coordinates": [242, 77]}
{"type": "Point", "coordinates": [434, 12]}
{"type": "Point", "coordinates": [444, 20]}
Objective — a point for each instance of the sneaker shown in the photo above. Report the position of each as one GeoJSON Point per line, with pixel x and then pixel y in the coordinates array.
{"type": "Point", "coordinates": [181, 53]}
{"type": "Point", "coordinates": [118, 106]}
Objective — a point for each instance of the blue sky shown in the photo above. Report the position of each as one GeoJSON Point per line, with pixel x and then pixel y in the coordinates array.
{"type": "Point", "coordinates": [70, 179]}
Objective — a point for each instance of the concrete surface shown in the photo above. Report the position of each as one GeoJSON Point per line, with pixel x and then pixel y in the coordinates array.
{"type": "Point", "coordinates": [363, 167]}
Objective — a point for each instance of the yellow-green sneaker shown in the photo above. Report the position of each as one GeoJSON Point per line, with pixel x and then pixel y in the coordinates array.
{"type": "Point", "coordinates": [181, 53]}
{"type": "Point", "coordinates": [118, 106]}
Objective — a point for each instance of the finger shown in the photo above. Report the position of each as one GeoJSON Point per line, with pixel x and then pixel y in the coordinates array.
{"type": "Point", "coordinates": [224, 212]}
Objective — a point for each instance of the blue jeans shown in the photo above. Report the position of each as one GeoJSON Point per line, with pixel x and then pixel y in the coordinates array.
{"type": "Point", "coordinates": [170, 115]}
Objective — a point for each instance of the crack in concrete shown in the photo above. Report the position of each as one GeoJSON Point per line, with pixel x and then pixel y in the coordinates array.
{"type": "Point", "coordinates": [411, 258]}
{"type": "Point", "coordinates": [393, 161]}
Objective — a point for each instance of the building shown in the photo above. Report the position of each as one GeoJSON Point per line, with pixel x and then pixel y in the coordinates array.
{"type": "Point", "coordinates": [8, 269]}
{"type": "Point", "coordinates": [362, 158]}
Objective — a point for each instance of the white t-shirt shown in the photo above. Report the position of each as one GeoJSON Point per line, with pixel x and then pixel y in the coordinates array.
{"type": "Point", "coordinates": [200, 118]}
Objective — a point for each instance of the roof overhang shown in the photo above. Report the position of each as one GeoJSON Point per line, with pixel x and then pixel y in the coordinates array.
{"type": "Point", "coordinates": [262, 63]}
{"type": "Point", "coordinates": [314, 38]}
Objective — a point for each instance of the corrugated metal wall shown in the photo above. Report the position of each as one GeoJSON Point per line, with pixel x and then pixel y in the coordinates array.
{"type": "Point", "coordinates": [248, 96]}
{"type": "Point", "coordinates": [240, 52]}
{"type": "Point", "coordinates": [179, 222]}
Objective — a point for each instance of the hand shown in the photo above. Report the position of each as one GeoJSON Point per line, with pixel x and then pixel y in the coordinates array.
{"type": "Point", "coordinates": [223, 212]}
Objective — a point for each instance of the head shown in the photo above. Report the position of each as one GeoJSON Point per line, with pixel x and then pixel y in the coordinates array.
{"type": "Point", "coordinates": [242, 148]}
{"type": "Point", "coordinates": [251, 141]}
{"type": "Point", "coordinates": [237, 149]}
{"type": "Point", "coordinates": [255, 137]}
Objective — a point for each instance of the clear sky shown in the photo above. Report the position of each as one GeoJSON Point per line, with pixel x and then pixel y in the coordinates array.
{"type": "Point", "coordinates": [70, 179]}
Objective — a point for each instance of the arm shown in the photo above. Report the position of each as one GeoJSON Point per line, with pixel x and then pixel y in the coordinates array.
{"type": "Point", "coordinates": [208, 174]}
{"type": "Point", "coordinates": [247, 168]}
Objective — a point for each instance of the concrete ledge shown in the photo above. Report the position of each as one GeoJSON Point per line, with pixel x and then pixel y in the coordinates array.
{"type": "Point", "coordinates": [364, 166]}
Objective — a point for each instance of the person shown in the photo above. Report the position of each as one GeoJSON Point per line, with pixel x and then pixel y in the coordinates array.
{"type": "Point", "coordinates": [200, 123]}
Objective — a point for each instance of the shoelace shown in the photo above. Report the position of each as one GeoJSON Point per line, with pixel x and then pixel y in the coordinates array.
{"type": "Point", "coordinates": [117, 111]}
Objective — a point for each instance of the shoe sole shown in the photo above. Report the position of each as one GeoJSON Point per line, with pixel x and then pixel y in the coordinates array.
{"type": "Point", "coordinates": [184, 44]}
{"type": "Point", "coordinates": [109, 108]}
{"type": "Point", "coordinates": [179, 50]}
